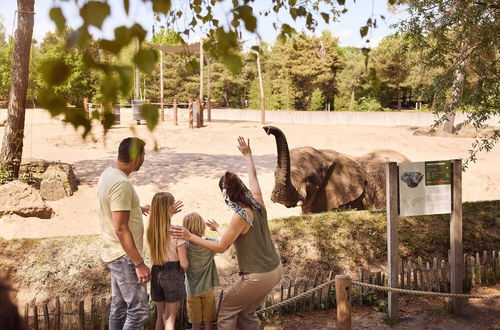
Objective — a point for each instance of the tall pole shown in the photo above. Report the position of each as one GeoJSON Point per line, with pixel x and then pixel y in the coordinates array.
{"type": "Point", "coordinates": [161, 87]}
{"type": "Point", "coordinates": [209, 102]}
{"type": "Point", "coordinates": [261, 87]}
{"type": "Point", "coordinates": [137, 78]}
{"type": "Point", "coordinates": [201, 69]}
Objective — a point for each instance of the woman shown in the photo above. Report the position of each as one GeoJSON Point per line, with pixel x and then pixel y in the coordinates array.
{"type": "Point", "coordinates": [258, 260]}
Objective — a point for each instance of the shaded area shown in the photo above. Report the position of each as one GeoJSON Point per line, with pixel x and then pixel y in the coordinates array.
{"type": "Point", "coordinates": [167, 167]}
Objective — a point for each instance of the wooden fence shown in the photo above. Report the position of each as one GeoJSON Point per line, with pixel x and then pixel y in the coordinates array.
{"type": "Point", "coordinates": [479, 269]}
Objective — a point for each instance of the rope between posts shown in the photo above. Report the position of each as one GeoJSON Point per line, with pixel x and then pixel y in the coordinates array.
{"type": "Point", "coordinates": [379, 288]}
{"type": "Point", "coordinates": [296, 298]}
{"type": "Point", "coordinates": [424, 293]}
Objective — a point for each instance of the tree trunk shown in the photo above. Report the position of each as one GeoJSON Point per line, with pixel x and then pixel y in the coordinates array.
{"type": "Point", "coordinates": [12, 144]}
{"type": "Point", "coordinates": [398, 95]}
{"type": "Point", "coordinates": [261, 89]}
{"type": "Point", "coordinates": [353, 99]}
{"type": "Point", "coordinates": [456, 90]}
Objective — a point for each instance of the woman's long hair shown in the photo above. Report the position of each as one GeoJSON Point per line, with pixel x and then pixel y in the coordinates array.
{"type": "Point", "coordinates": [234, 189]}
{"type": "Point", "coordinates": [158, 234]}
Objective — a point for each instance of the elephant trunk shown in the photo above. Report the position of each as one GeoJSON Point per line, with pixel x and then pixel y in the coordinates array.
{"type": "Point", "coordinates": [284, 192]}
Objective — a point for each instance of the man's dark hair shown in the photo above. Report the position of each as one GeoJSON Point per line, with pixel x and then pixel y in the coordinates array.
{"type": "Point", "coordinates": [9, 315]}
{"type": "Point", "coordinates": [130, 149]}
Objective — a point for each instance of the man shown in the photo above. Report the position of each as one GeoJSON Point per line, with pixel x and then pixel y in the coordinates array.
{"type": "Point", "coordinates": [120, 217]}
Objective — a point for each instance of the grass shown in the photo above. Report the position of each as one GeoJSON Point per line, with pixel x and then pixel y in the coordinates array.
{"type": "Point", "coordinates": [346, 241]}
{"type": "Point", "coordinates": [308, 244]}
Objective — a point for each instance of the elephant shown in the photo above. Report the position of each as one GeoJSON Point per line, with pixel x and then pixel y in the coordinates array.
{"type": "Point", "coordinates": [324, 180]}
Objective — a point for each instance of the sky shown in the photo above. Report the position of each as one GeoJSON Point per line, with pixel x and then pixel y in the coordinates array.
{"type": "Point", "coordinates": [346, 28]}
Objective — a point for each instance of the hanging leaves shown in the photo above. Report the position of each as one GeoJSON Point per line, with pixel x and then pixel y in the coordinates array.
{"type": "Point", "coordinates": [56, 15]}
{"type": "Point", "coordinates": [145, 59]}
{"type": "Point", "coordinates": [150, 113]}
{"type": "Point", "coordinates": [94, 13]}
{"type": "Point", "coordinates": [54, 71]}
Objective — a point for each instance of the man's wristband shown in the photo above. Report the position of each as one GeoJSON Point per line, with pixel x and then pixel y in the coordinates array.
{"type": "Point", "coordinates": [141, 264]}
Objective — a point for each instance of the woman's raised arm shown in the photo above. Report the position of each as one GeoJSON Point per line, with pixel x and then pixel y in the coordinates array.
{"type": "Point", "coordinates": [254, 186]}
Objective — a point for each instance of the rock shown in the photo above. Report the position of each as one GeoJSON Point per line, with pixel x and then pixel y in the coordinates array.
{"type": "Point", "coordinates": [23, 200]}
{"type": "Point", "coordinates": [58, 182]}
{"type": "Point", "coordinates": [34, 169]}
{"type": "Point", "coordinates": [424, 131]}
{"type": "Point", "coordinates": [468, 130]}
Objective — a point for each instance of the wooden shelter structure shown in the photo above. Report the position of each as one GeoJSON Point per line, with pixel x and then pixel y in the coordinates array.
{"type": "Point", "coordinates": [186, 48]}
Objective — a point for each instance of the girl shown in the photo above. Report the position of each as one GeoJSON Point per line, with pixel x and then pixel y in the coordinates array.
{"type": "Point", "coordinates": [201, 276]}
{"type": "Point", "coordinates": [169, 262]}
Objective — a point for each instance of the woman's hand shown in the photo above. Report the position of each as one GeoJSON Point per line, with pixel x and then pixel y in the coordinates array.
{"type": "Point", "coordinates": [179, 232]}
{"type": "Point", "coordinates": [175, 208]}
{"type": "Point", "coordinates": [244, 147]}
{"type": "Point", "coordinates": [214, 226]}
{"type": "Point", "coordinates": [145, 209]}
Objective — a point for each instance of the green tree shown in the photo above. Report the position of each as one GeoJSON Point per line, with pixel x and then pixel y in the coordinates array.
{"type": "Point", "coordinates": [79, 84]}
{"type": "Point", "coordinates": [317, 100]}
{"type": "Point", "coordinates": [5, 63]}
{"type": "Point", "coordinates": [351, 75]}
{"type": "Point", "coordinates": [460, 40]}
{"type": "Point", "coordinates": [287, 62]}
{"type": "Point", "coordinates": [392, 63]}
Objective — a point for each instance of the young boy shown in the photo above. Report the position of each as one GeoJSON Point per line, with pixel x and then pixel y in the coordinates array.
{"type": "Point", "coordinates": [201, 277]}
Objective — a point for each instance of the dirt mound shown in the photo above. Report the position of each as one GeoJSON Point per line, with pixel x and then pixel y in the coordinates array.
{"type": "Point", "coordinates": [338, 241]}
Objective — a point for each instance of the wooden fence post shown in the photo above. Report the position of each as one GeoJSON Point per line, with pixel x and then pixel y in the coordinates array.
{"type": "Point", "coordinates": [343, 294]}
{"type": "Point", "coordinates": [35, 317]}
{"type": "Point", "coordinates": [391, 174]}
{"type": "Point", "coordinates": [199, 114]}
{"type": "Point", "coordinates": [58, 314]}
{"type": "Point", "coordinates": [175, 112]}
{"type": "Point", "coordinates": [81, 315]}
{"type": "Point", "coordinates": [26, 316]}
{"type": "Point", "coordinates": [46, 316]}
{"type": "Point", "coordinates": [190, 110]}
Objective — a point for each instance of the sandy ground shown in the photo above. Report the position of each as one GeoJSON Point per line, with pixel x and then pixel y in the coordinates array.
{"type": "Point", "coordinates": [189, 163]}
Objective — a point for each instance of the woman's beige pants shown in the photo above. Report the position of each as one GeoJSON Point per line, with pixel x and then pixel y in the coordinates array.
{"type": "Point", "coordinates": [244, 297]}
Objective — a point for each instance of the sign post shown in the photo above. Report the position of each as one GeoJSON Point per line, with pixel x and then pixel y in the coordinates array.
{"type": "Point", "coordinates": [391, 170]}
{"type": "Point", "coordinates": [456, 250]}
{"type": "Point", "coordinates": [424, 188]}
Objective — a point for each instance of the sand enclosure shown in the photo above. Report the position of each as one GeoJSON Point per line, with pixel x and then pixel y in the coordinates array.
{"type": "Point", "coordinates": [189, 163]}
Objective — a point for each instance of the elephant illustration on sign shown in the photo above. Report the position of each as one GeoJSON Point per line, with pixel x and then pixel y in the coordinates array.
{"type": "Point", "coordinates": [412, 179]}
{"type": "Point", "coordinates": [324, 180]}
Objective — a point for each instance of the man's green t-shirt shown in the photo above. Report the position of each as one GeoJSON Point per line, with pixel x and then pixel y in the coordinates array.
{"type": "Point", "coordinates": [116, 193]}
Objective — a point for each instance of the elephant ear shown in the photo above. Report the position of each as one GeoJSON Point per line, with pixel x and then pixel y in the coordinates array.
{"type": "Point", "coordinates": [345, 184]}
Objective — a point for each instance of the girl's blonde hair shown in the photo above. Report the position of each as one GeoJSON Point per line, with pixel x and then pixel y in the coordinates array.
{"type": "Point", "coordinates": [158, 234]}
{"type": "Point", "coordinates": [194, 223]}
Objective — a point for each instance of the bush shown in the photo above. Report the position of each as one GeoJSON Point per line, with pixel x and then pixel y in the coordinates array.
{"type": "Point", "coordinates": [368, 104]}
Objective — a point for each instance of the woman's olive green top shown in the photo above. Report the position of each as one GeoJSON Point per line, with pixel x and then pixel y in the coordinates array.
{"type": "Point", "coordinates": [255, 250]}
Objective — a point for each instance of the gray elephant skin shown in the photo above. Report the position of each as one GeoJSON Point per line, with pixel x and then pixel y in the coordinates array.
{"type": "Point", "coordinates": [324, 180]}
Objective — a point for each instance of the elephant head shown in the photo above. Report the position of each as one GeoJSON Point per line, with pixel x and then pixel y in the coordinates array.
{"type": "Point", "coordinates": [318, 180]}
